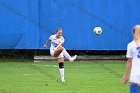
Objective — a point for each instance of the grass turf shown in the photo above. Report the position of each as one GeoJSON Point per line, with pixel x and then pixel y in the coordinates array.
{"type": "Point", "coordinates": [81, 77]}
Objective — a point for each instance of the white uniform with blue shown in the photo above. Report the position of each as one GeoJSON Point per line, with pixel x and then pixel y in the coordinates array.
{"type": "Point", "coordinates": [133, 51]}
{"type": "Point", "coordinates": [54, 43]}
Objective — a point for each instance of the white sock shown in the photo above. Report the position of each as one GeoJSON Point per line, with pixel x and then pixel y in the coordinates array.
{"type": "Point", "coordinates": [62, 73]}
{"type": "Point", "coordinates": [66, 54]}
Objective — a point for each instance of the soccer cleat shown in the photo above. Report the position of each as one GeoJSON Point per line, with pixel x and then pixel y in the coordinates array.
{"type": "Point", "coordinates": [62, 80]}
{"type": "Point", "coordinates": [73, 58]}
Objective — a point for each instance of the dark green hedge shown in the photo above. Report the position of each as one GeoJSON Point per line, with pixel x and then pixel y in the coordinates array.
{"type": "Point", "coordinates": [28, 53]}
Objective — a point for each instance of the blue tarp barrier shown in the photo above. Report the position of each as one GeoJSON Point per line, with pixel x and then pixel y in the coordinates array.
{"type": "Point", "coordinates": [26, 24]}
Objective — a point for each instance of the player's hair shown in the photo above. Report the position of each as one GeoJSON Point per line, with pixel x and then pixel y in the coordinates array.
{"type": "Point", "coordinates": [136, 32]}
{"type": "Point", "coordinates": [58, 29]}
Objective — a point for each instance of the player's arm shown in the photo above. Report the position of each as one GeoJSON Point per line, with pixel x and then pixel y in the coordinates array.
{"type": "Point", "coordinates": [45, 46]}
{"type": "Point", "coordinates": [127, 71]}
{"type": "Point", "coordinates": [60, 44]}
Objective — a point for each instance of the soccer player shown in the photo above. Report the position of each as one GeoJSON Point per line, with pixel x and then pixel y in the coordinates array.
{"type": "Point", "coordinates": [58, 51]}
{"type": "Point", "coordinates": [133, 63]}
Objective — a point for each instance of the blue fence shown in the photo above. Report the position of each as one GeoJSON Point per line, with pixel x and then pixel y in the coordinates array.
{"type": "Point", "coordinates": [26, 24]}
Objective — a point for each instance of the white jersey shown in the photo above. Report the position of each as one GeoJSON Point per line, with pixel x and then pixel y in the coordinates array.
{"type": "Point", "coordinates": [55, 41]}
{"type": "Point", "coordinates": [133, 51]}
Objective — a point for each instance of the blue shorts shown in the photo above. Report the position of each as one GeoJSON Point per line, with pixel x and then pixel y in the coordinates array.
{"type": "Point", "coordinates": [134, 88]}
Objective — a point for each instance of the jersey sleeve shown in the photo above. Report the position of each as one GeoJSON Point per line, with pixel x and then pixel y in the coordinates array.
{"type": "Point", "coordinates": [51, 37]}
{"type": "Point", "coordinates": [129, 53]}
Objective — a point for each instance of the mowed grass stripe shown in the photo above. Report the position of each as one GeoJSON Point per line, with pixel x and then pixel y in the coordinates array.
{"type": "Point", "coordinates": [81, 77]}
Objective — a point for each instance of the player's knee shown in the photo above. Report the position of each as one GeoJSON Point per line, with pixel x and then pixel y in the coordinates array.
{"type": "Point", "coordinates": [61, 48]}
{"type": "Point", "coordinates": [61, 65]}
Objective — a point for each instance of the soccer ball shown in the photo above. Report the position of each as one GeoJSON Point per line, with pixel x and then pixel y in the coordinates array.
{"type": "Point", "coordinates": [97, 30]}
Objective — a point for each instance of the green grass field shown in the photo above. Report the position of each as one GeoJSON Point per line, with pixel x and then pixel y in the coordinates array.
{"type": "Point", "coordinates": [81, 77]}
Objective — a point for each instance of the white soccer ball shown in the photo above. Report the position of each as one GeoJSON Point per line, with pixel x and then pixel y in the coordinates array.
{"type": "Point", "coordinates": [97, 30]}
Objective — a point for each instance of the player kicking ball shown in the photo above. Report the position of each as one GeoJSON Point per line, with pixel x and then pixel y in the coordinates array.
{"type": "Point", "coordinates": [58, 51]}
{"type": "Point", "coordinates": [133, 62]}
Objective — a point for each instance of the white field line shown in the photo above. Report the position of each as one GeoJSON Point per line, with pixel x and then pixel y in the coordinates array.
{"type": "Point", "coordinates": [45, 65]}
{"type": "Point", "coordinates": [54, 65]}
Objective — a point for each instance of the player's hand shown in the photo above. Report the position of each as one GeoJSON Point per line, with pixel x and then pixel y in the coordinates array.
{"type": "Point", "coordinates": [45, 46]}
{"type": "Point", "coordinates": [125, 79]}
